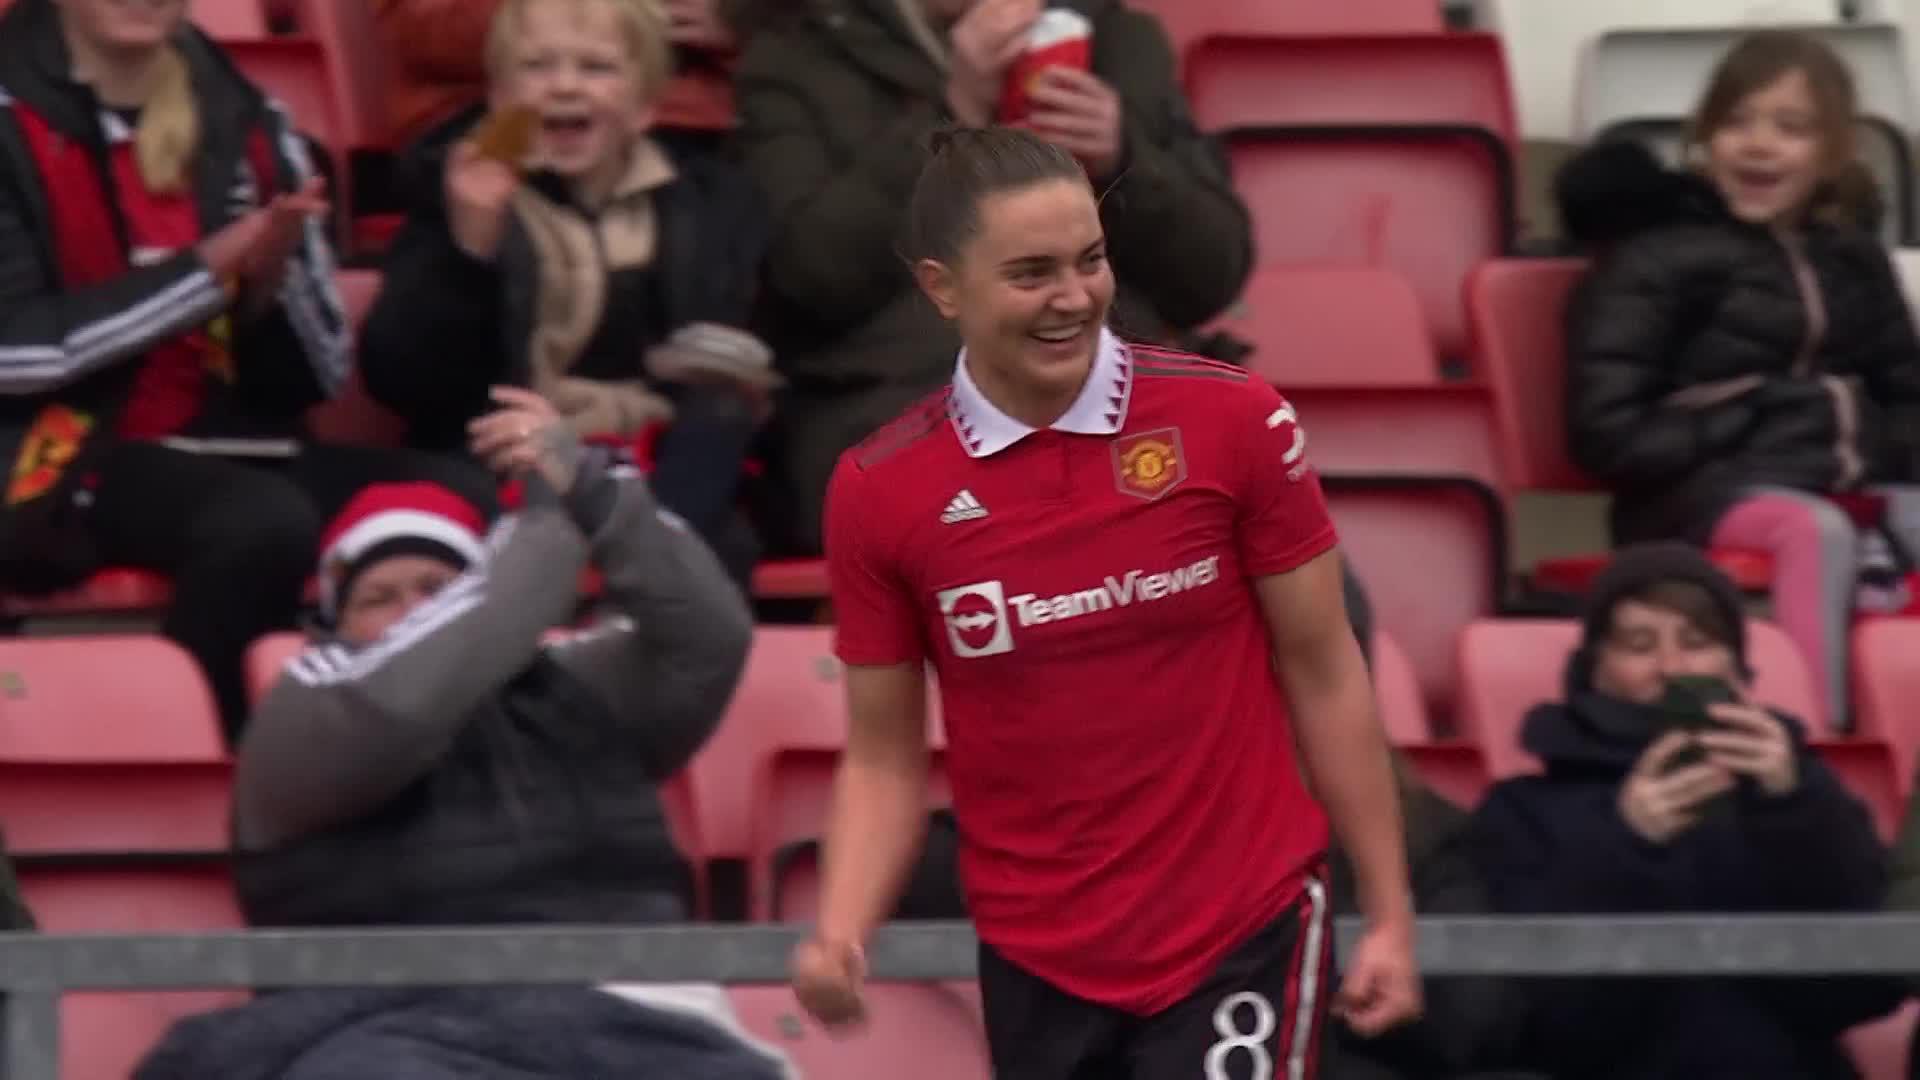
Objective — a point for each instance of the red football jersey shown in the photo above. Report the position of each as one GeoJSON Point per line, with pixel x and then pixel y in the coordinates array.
{"type": "Point", "coordinates": [1129, 803]}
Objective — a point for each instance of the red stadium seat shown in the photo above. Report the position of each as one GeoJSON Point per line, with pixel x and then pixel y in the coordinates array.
{"type": "Point", "coordinates": [1430, 558]}
{"type": "Point", "coordinates": [356, 66]}
{"type": "Point", "coordinates": [267, 657]}
{"type": "Point", "coordinates": [1452, 768]}
{"type": "Point", "coordinates": [353, 417]}
{"type": "Point", "coordinates": [1335, 325]}
{"type": "Point", "coordinates": [116, 590]}
{"type": "Point", "coordinates": [293, 71]}
{"type": "Point", "coordinates": [1879, 1049]}
{"type": "Point", "coordinates": [1376, 80]}
{"type": "Point", "coordinates": [925, 1032]}
{"type": "Point", "coordinates": [1430, 204]}
{"type": "Point", "coordinates": [1515, 307]}
{"type": "Point", "coordinates": [103, 1036]}
{"type": "Point", "coordinates": [229, 20]}
{"type": "Point", "coordinates": [791, 579]}
{"type": "Point", "coordinates": [1397, 448]}
{"type": "Point", "coordinates": [791, 671]}
{"type": "Point", "coordinates": [93, 770]}
{"type": "Point", "coordinates": [1509, 666]}
{"type": "Point", "coordinates": [1420, 433]}
{"type": "Point", "coordinates": [1886, 690]}
{"type": "Point", "coordinates": [1188, 20]}
{"type": "Point", "coordinates": [130, 763]}
{"type": "Point", "coordinates": [761, 783]}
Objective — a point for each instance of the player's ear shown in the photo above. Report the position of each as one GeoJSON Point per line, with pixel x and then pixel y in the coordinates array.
{"type": "Point", "coordinates": [937, 281]}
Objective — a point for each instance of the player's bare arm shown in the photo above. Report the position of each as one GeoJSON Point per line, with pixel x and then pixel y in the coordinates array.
{"type": "Point", "coordinates": [873, 833]}
{"type": "Point", "coordinates": [1345, 754]}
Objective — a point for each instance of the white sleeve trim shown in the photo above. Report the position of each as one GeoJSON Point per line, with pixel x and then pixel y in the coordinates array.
{"type": "Point", "coordinates": [176, 309]}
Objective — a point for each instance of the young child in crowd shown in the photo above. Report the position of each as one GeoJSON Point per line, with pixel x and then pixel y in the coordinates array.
{"type": "Point", "coordinates": [1741, 353]}
{"type": "Point", "coordinates": [554, 241]}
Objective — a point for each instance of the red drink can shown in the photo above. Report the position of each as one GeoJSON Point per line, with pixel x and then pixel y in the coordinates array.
{"type": "Point", "coordinates": [1059, 38]}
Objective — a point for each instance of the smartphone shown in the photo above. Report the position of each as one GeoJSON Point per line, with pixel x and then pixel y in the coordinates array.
{"type": "Point", "coordinates": [1685, 707]}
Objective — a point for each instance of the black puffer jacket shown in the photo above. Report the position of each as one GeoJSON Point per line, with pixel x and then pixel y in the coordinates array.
{"type": "Point", "coordinates": [1693, 371]}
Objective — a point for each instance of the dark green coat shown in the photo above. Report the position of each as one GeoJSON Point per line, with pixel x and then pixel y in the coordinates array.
{"type": "Point", "coordinates": [836, 101]}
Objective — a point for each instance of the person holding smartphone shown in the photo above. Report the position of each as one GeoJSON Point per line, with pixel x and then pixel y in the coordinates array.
{"type": "Point", "coordinates": [1668, 788]}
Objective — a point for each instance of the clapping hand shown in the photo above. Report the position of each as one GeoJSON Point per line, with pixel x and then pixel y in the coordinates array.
{"type": "Point", "coordinates": [525, 434]}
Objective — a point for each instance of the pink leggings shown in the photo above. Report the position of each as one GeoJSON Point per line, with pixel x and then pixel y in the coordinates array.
{"type": "Point", "coordinates": [1814, 552]}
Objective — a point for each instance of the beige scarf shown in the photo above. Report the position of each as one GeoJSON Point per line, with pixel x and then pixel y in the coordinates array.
{"type": "Point", "coordinates": [575, 256]}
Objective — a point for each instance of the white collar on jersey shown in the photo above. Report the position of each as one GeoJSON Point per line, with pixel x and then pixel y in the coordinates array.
{"type": "Point", "coordinates": [1100, 409]}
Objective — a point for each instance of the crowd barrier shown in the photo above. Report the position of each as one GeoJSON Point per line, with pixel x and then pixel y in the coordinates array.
{"type": "Point", "coordinates": [36, 968]}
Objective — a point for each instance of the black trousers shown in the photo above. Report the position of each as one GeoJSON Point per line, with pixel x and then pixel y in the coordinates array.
{"type": "Point", "coordinates": [239, 537]}
{"type": "Point", "coordinates": [1258, 1016]}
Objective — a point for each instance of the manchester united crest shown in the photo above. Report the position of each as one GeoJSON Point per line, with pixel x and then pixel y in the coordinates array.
{"type": "Point", "coordinates": [1149, 464]}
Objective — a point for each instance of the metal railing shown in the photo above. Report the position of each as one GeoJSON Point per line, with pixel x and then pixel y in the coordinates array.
{"type": "Point", "coordinates": [36, 968]}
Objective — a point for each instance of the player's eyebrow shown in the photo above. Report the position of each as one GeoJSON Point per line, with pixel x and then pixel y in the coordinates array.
{"type": "Point", "coordinates": [1021, 262]}
{"type": "Point", "coordinates": [1027, 262]}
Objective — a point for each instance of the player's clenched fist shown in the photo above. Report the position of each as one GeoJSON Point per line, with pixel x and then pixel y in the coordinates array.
{"type": "Point", "coordinates": [827, 979]}
{"type": "Point", "coordinates": [1381, 986]}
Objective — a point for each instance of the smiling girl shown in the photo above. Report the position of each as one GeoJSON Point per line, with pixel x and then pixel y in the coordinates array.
{"type": "Point", "coordinates": [1741, 350]}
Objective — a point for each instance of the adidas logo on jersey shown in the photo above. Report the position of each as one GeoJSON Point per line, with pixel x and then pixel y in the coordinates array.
{"type": "Point", "coordinates": [964, 507]}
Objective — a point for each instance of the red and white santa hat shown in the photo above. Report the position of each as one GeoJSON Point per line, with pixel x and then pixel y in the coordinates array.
{"type": "Point", "coordinates": [384, 520]}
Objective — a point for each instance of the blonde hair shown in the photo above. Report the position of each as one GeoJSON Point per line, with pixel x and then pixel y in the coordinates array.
{"type": "Point", "coordinates": [642, 22]}
{"type": "Point", "coordinates": [169, 131]}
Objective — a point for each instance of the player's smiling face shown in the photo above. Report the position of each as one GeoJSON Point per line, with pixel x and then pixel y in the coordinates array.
{"type": "Point", "coordinates": [1030, 290]}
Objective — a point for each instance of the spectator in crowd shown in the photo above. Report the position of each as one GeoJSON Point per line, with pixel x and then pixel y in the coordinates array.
{"type": "Point", "coordinates": [615, 278]}
{"type": "Point", "coordinates": [1741, 350]}
{"type": "Point", "coordinates": [437, 67]}
{"type": "Point", "coordinates": [429, 761]}
{"type": "Point", "coordinates": [1654, 803]}
{"type": "Point", "coordinates": [167, 312]}
{"type": "Point", "coordinates": [836, 103]}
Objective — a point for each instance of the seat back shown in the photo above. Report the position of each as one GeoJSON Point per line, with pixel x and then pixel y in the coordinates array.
{"type": "Point", "coordinates": [352, 416]}
{"type": "Point", "coordinates": [1187, 21]}
{"type": "Point", "coordinates": [1880, 1049]}
{"type": "Point", "coordinates": [267, 657]}
{"type": "Point", "coordinates": [1421, 434]}
{"type": "Point", "coordinates": [1546, 41]}
{"type": "Point", "coordinates": [1638, 72]}
{"type": "Point", "coordinates": [1396, 693]}
{"type": "Point", "coordinates": [104, 1036]}
{"type": "Point", "coordinates": [293, 71]}
{"type": "Point", "coordinates": [791, 683]}
{"type": "Point", "coordinates": [1423, 602]}
{"type": "Point", "coordinates": [1427, 204]}
{"type": "Point", "coordinates": [114, 785]}
{"type": "Point", "coordinates": [1507, 666]}
{"type": "Point", "coordinates": [356, 63]}
{"type": "Point", "coordinates": [1383, 80]}
{"type": "Point", "coordinates": [1515, 308]}
{"type": "Point", "coordinates": [131, 763]}
{"type": "Point", "coordinates": [764, 781]}
{"type": "Point", "coordinates": [1334, 325]}
{"type": "Point", "coordinates": [1886, 689]}
{"type": "Point", "coordinates": [229, 20]}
